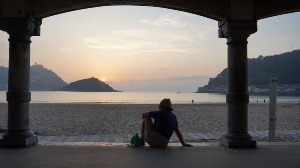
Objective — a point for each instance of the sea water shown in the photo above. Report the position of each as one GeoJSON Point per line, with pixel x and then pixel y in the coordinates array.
{"type": "Point", "coordinates": [138, 97]}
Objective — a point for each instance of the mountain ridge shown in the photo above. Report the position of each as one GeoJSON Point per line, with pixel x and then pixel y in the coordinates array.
{"type": "Point", "coordinates": [284, 66]}
{"type": "Point", "coordinates": [44, 79]}
{"type": "Point", "coordinates": [41, 79]}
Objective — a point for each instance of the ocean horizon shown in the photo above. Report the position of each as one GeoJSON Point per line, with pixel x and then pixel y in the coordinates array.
{"type": "Point", "coordinates": [140, 97]}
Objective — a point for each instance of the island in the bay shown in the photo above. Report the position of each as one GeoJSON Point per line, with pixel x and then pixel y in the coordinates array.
{"type": "Point", "coordinates": [88, 85]}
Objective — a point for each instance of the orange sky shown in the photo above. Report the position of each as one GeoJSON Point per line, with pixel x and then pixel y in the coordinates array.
{"type": "Point", "coordinates": [124, 44]}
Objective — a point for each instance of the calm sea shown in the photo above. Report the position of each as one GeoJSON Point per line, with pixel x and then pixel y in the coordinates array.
{"type": "Point", "coordinates": [136, 97]}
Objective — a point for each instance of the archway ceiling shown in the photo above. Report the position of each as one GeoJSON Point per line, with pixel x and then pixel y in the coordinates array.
{"type": "Point", "coordinates": [214, 9]}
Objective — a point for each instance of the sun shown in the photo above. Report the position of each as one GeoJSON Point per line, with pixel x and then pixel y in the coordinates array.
{"type": "Point", "coordinates": [103, 79]}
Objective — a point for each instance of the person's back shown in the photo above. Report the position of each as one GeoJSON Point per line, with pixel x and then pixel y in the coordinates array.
{"type": "Point", "coordinates": [165, 122]}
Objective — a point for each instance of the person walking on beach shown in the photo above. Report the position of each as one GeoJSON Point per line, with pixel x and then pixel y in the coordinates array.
{"type": "Point", "coordinates": [159, 132]}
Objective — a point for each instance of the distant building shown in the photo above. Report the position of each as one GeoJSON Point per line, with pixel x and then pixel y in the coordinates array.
{"type": "Point", "coordinates": [254, 89]}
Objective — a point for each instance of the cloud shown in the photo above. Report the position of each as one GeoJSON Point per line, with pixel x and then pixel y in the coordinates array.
{"type": "Point", "coordinates": [164, 69]}
{"type": "Point", "coordinates": [188, 78]}
{"type": "Point", "coordinates": [166, 20]}
{"type": "Point", "coordinates": [167, 33]}
{"type": "Point", "coordinates": [65, 50]}
{"type": "Point", "coordinates": [112, 43]}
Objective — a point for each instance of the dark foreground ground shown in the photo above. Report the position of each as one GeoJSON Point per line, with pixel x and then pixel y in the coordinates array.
{"type": "Point", "coordinates": [87, 154]}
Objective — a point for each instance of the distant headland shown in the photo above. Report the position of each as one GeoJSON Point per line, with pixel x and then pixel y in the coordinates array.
{"type": "Point", "coordinates": [284, 66]}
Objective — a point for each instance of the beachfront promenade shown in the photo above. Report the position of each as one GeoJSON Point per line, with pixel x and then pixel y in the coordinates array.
{"type": "Point", "coordinates": [103, 154]}
{"type": "Point", "coordinates": [189, 137]}
{"type": "Point", "coordinates": [112, 151]}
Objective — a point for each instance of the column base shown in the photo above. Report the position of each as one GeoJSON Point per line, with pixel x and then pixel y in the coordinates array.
{"type": "Point", "coordinates": [20, 142]}
{"type": "Point", "coordinates": [237, 143]}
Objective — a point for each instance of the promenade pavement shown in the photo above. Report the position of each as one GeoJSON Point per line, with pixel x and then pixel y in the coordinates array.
{"type": "Point", "coordinates": [105, 154]}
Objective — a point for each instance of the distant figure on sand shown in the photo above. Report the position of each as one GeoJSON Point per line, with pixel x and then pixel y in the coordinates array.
{"type": "Point", "coordinates": [193, 101]}
{"type": "Point", "coordinates": [158, 134]}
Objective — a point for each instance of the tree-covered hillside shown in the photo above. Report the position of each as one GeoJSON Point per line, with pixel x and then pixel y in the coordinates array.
{"type": "Point", "coordinates": [283, 66]}
{"type": "Point", "coordinates": [44, 79]}
{"type": "Point", "coordinates": [41, 79]}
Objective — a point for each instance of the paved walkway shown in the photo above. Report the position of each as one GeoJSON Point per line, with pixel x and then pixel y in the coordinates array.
{"type": "Point", "coordinates": [113, 151]}
{"type": "Point", "coordinates": [189, 136]}
{"type": "Point", "coordinates": [115, 155]}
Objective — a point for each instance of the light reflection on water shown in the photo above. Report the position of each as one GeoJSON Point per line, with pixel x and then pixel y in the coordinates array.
{"type": "Point", "coordinates": [136, 97]}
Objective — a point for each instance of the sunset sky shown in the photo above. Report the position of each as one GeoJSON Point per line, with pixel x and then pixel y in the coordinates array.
{"type": "Point", "coordinates": [146, 48]}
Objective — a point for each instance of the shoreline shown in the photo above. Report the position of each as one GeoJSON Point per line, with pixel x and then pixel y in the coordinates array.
{"type": "Point", "coordinates": [138, 98]}
{"type": "Point", "coordinates": [175, 104]}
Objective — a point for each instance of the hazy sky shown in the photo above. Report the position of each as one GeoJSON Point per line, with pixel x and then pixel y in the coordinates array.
{"type": "Point", "coordinates": [146, 48]}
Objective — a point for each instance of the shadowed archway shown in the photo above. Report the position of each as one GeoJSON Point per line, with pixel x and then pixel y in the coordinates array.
{"type": "Point", "coordinates": [237, 20]}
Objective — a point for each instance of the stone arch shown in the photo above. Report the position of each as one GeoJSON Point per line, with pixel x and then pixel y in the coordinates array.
{"type": "Point", "coordinates": [213, 9]}
{"type": "Point", "coordinates": [22, 19]}
{"type": "Point", "coordinates": [209, 9]}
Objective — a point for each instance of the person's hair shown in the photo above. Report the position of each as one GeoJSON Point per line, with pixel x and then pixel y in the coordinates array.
{"type": "Point", "coordinates": [166, 103]}
{"type": "Point", "coordinates": [165, 108]}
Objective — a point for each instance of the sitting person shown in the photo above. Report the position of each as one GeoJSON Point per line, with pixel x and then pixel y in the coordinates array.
{"type": "Point", "coordinates": [158, 134]}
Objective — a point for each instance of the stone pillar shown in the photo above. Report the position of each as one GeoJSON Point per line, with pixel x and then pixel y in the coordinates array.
{"type": "Point", "coordinates": [18, 95]}
{"type": "Point", "coordinates": [237, 97]}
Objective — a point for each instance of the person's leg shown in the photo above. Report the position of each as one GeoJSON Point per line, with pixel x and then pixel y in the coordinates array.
{"type": "Point", "coordinates": [153, 138]}
{"type": "Point", "coordinates": [142, 130]}
{"type": "Point", "coordinates": [156, 140]}
{"type": "Point", "coordinates": [147, 128]}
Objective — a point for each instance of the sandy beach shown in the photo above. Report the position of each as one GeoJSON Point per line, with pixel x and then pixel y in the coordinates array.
{"type": "Point", "coordinates": [120, 119]}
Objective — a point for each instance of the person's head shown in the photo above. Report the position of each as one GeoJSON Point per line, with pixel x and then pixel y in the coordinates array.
{"type": "Point", "coordinates": [166, 104]}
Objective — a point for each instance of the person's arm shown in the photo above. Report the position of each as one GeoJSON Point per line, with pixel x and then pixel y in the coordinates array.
{"type": "Point", "coordinates": [179, 135]}
{"type": "Point", "coordinates": [145, 115]}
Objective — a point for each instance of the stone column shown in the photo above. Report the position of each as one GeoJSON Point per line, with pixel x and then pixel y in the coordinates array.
{"type": "Point", "coordinates": [18, 95]}
{"type": "Point", "coordinates": [237, 97]}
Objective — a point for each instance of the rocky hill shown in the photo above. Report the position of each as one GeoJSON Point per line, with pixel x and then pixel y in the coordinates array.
{"type": "Point", "coordinates": [284, 66]}
{"type": "Point", "coordinates": [88, 85]}
{"type": "Point", "coordinates": [41, 79]}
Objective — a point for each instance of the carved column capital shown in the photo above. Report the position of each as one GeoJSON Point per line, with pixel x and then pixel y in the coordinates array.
{"type": "Point", "coordinates": [17, 26]}
{"type": "Point", "coordinates": [237, 29]}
